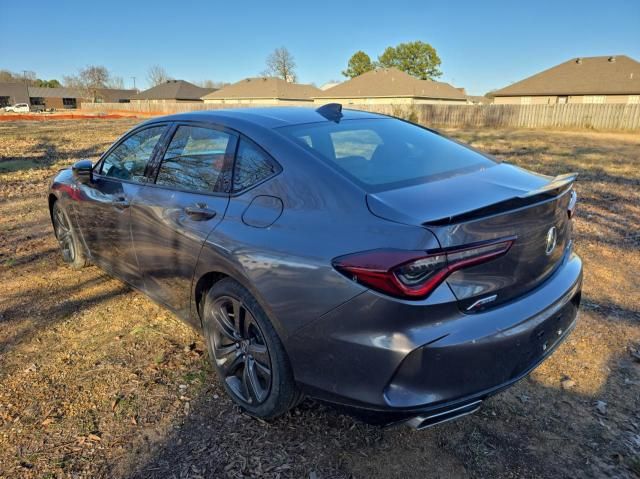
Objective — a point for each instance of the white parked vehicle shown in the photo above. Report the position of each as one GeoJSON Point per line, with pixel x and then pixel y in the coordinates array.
{"type": "Point", "coordinates": [18, 108]}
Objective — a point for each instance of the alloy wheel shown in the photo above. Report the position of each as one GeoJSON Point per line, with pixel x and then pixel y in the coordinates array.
{"type": "Point", "coordinates": [240, 351]}
{"type": "Point", "coordinates": [63, 234]}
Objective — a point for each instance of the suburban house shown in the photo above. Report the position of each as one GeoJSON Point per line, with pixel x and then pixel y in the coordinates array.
{"type": "Point", "coordinates": [391, 86]}
{"type": "Point", "coordinates": [613, 79]}
{"type": "Point", "coordinates": [478, 100]}
{"type": "Point", "coordinates": [58, 98]}
{"type": "Point", "coordinates": [331, 84]}
{"type": "Point", "coordinates": [263, 91]}
{"type": "Point", "coordinates": [172, 91]}
{"type": "Point", "coordinates": [12, 93]}
{"type": "Point", "coordinates": [115, 95]}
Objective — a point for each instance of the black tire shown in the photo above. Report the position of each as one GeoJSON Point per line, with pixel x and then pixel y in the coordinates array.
{"type": "Point", "coordinates": [70, 246]}
{"type": "Point", "coordinates": [242, 346]}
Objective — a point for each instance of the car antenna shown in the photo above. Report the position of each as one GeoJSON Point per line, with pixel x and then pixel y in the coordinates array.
{"type": "Point", "coordinates": [331, 111]}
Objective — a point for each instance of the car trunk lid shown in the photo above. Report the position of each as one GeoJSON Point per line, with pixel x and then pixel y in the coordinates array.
{"type": "Point", "coordinates": [502, 201]}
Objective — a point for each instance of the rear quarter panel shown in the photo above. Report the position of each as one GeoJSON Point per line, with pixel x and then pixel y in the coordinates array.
{"type": "Point", "coordinates": [287, 265]}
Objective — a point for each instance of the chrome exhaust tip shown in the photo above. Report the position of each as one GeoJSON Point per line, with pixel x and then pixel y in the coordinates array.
{"type": "Point", "coordinates": [428, 420]}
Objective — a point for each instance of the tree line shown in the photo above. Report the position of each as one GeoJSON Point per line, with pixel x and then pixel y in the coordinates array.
{"type": "Point", "coordinates": [417, 58]}
{"type": "Point", "coordinates": [27, 77]}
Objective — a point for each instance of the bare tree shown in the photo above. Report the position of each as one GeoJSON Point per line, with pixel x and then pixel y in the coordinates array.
{"type": "Point", "coordinates": [281, 64]}
{"type": "Point", "coordinates": [116, 83]}
{"type": "Point", "coordinates": [29, 77]}
{"type": "Point", "coordinates": [156, 75]}
{"type": "Point", "coordinates": [212, 84]}
{"type": "Point", "coordinates": [90, 80]}
{"type": "Point", "coordinates": [7, 76]}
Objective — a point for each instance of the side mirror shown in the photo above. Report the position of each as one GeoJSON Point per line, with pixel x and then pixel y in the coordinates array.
{"type": "Point", "coordinates": [83, 171]}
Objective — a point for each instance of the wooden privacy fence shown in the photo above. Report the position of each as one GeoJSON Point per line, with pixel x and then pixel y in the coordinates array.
{"type": "Point", "coordinates": [577, 116]}
{"type": "Point", "coordinates": [574, 116]}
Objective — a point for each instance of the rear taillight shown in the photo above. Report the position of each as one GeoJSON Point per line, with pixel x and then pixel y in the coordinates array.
{"type": "Point", "coordinates": [414, 274]}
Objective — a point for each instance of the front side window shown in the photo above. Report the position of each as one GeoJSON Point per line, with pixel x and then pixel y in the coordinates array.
{"type": "Point", "coordinates": [385, 153]}
{"type": "Point", "coordinates": [195, 160]}
{"type": "Point", "coordinates": [252, 166]}
{"type": "Point", "coordinates": [129, 159]}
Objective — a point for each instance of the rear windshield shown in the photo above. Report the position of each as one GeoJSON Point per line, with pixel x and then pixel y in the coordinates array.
{"type": "Point", "coordinates": [386, 153]}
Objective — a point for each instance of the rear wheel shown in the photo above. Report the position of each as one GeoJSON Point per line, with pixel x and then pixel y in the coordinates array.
{"type": "Point", "coordinates": [72, 253]}
{"type": "Point", "coordinates": [246, 351]}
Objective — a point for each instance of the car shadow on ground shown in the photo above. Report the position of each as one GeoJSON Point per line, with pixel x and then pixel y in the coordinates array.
{"type": "Point", "coordinates": [214, 438]}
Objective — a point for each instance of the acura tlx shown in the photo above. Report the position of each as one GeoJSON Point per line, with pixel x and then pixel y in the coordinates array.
{"type": "Point", "coordinates": [345, 255]}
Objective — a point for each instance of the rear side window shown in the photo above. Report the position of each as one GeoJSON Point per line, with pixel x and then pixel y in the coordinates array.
{"type": "Point", "coordinates": [386, 153]}
{"type": "Point", "coordinates": [195, 160]}
{"type": "Point", "coordinates": [129, 159]}
{"type": "Point", "coordinates": [252, 166]}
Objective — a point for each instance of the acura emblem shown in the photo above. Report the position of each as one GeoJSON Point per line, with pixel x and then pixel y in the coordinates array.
{"type": "Point", "coordinates": [552, 238]}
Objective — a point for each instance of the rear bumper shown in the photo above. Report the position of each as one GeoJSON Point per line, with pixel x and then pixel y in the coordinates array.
{"type": "Point", "coordinates": [408, 358]}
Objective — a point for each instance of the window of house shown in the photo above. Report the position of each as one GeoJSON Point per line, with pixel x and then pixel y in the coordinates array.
{"type": "Point", "coordinates": [129, 159]}
{"type": "Point", "coordinates": [594, 99]}
{"type": "Point", "coordinates": [195, 160]}
{"type": "Point", "coordinates": [525, 100]}
{"type": "Point", "coordinates": [633, 99]}
{"type": "Point", "coordinates": [4, 101]}
{"type": "Point", "coordinates": [36, 101]}
{"type": "Point", "coordinates": [69, 102]}
{"type": "Point", "coordinates": [252, 166]}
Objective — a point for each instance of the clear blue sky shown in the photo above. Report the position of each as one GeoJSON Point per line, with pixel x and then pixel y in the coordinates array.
{"type": "Point", "coordinates": [483, 44]}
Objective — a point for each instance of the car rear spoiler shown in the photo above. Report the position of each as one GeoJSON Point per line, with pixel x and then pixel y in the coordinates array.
{"type": "Point", "coordinates": [560, 182]}
{"type": "Point", "coordinates": [558, 186]}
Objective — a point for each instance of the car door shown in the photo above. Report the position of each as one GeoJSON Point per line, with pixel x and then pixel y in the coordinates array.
{"type": "Point", "coordinates": [104, 214]}
{"type": "Point", "coordinates": [172, 217]}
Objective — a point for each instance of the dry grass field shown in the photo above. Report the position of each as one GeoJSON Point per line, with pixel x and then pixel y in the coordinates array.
{"type": "Point", "coordinates": [98, 381]}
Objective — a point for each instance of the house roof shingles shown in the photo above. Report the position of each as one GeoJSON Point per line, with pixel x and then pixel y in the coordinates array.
{"type": "Point", "coordinates": [43, 92]}
{"type": "Point", "coordinates": [174, 90]}
{"type": "Point", "coordinates": [391, 82]}
{"type": "Point", "coordinates": [116, 94]}
{"type": "Point", "coordinates": [606, 75]}
{"type": "Point", "coordinates": [265, 88]}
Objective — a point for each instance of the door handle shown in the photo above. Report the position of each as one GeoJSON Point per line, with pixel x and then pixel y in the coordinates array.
{"type": "Point", "coordinates": [199, 212]}
{"type": "Point", "coordinates": [120, 202]}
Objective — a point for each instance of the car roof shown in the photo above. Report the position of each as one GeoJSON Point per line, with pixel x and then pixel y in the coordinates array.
{"type": "Point", "coordinates": [267, 117]}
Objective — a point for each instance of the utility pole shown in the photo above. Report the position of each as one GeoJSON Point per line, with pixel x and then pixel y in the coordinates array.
{"type": "Point", "coordinates": [134, 83]}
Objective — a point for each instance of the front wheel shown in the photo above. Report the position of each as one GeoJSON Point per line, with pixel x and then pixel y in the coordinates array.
{"type": "Point", "coordinates": [247, 352]}
{"type": "Point", "coordinates": [72, 252]}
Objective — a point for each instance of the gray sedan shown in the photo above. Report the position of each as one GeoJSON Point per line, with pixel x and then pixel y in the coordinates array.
{"type": "Point", "coordinates": [350, 256]}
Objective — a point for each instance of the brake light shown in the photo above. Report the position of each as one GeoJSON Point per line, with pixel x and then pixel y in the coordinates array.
{"type": "Point", "coordinates": [414, 274]}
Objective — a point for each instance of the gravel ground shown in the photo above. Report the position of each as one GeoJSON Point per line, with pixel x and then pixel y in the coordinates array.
{"type": "Point", "coordinates": [98, 381]}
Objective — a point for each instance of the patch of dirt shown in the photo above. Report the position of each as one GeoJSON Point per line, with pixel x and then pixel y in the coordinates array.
{"type": "Point", "coordinates": [98, 381]}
